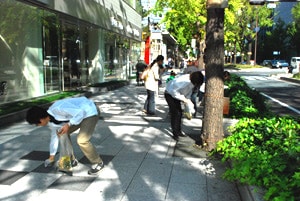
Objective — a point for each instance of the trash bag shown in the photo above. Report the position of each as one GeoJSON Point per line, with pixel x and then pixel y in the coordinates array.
{"type": "Point", "coordinates": [189, 110]}
{"type": "Point", "coordinates": [64, 163]}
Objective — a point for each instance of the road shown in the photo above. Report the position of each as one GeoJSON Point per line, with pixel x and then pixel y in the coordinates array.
{"type": "Point", "coordinates": [283, 96]}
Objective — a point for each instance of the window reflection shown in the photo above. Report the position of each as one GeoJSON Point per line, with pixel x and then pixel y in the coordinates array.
{"type": "Point", "coordinates": [52, 71]}
{"type": "Point", "coordinates": [42, 52]}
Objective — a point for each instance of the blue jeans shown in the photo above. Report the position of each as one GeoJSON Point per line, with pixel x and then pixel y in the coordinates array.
{"type": "Point", "coordinates": [149, 105]}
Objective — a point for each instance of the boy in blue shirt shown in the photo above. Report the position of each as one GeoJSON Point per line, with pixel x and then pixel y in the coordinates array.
{"type": "Point", "coordinates": [71, 114]}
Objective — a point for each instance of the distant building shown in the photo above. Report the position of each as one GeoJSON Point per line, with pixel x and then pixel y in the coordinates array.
{"type": "Point", "coordinates": [159, 41]}
{"type": "Point", "coordinates": [283, 11]}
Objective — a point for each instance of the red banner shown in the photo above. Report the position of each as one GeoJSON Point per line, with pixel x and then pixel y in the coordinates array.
{"type": "Point", "coordinates": [147, 51]}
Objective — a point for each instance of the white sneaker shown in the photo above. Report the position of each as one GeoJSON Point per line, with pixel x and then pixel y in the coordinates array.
{"type": "Point", "coordinates": [96, 168]}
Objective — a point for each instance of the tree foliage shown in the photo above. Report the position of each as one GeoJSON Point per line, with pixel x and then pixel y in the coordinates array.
{"type": "Point", "coordinates": [294, 29]}
{"type": "Point", "coordinates": [183, 18]}
{"type": "Point", "coordinates": [186, 19]}
{"type": "Point", "coordinates": [241, 19]}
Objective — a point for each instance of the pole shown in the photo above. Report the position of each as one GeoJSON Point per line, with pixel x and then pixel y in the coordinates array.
{"type": "Point", "coordinates": [256, 30]}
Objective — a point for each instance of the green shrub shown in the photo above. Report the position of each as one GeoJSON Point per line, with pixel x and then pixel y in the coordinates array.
{"type": "Point", "coordinates": [263, 149]}
{"type": "Point", "coordinates": [266, 153]}
{"type": "Point", "coordinates": [244, 101]}
{"type": "Point", "coordinates": [296, 76]}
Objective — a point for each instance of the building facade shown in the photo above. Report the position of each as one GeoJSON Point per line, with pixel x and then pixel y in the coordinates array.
{"type": "Point", "coordinates": [48, 46]}
{"type": "Point", "coordinates": [158, 41]}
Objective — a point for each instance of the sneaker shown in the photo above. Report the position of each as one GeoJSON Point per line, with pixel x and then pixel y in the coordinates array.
{"type": "Point", "coordinates": [96, 168]}
{"type": "Point", "coordinates": [74, 162]}
{"type": "Point", "coordinates": [49, 163]}
{"type": "Point", "coordinates": [181, 135]}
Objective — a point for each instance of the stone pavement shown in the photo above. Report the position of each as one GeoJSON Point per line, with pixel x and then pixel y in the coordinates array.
{"type": "Point", "coordinates": [142, 161]}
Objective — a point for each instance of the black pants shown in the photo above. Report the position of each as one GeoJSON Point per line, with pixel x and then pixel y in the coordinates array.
{"type": "Point", "coordinates": [176, 114]}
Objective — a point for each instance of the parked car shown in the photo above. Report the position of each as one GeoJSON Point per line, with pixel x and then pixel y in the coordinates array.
{"type": "Point", "coordinates": [279, 64]}
{"type": "Point", "coordinates": [267, 63]}
{"type": "Point", "coordinates": [273, 63]}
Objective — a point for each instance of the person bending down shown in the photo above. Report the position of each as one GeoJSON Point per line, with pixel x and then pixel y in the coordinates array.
{"type": "Point", "coordinates": [72, 114]}
{"type": "Point", "coordinates": [180, 90]}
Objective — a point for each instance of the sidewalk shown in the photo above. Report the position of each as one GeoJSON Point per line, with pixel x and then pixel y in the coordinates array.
{"type": "Point", "coordinates": [142, 161]}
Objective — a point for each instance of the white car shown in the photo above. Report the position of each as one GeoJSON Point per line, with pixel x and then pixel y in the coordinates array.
{"type": "Point", "coordinates": [295, 64]}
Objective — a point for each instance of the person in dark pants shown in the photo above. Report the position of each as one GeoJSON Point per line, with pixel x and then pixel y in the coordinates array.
{"type": "Point", "coordinates": [177, 91]}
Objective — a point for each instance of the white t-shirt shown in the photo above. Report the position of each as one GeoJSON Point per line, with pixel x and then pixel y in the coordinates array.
{"type": "Point", "coordinates": [151, 83]}
{"type": "Point", "coordinates": [180, 88]}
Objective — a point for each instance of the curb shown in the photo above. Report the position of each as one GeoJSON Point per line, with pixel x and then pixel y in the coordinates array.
{"type": "Point", "coordinates": [290, 80]}
{"type": "Point", "coordinates": [8, 119]}
{"type": "Point", "coordinates": [250, 193]}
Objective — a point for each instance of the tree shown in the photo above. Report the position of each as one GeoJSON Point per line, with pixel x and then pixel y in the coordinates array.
{"type": "Point", "coordinates": [294, 29]}
{"type": "Point", "coordinates": [241, 19]}
{"type": "Point", "coordinates": [212, 129]}
{"type": "Point", "coordinates": [277, 40]}
{"type": "Point", "coordinates": [184, 19]}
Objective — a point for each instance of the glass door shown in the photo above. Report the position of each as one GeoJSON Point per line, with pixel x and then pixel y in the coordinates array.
{"type": "Point", "coordinates": [75, 57]}
{"type": "Point", "coordinates": [51, 67]}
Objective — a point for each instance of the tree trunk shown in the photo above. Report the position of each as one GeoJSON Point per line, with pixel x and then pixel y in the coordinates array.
{"type": "Point", "coordinates": [212, 127]}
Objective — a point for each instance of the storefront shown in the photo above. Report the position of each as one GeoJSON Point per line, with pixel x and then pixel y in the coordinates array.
{"type": "Point", "coordinates": [47, 46]}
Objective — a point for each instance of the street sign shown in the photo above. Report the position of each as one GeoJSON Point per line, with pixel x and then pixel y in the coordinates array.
{"type": "Point", "coordinates": [271, 5]}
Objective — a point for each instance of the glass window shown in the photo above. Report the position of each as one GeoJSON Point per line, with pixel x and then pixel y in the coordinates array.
{"type": "Point", "coordinates": [21, 56]}
{"type": "Point", "coordinates": [42, 52]}
{"type": "Point", "coordinates": [75, 55]}
{"type": "Point", "coordinates": [51, 64]}
{"type": "Point", "coordinates": [111, 62]}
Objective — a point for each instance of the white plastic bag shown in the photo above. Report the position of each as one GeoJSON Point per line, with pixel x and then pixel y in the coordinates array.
{"type": "Point", "coordinates": [66, 151]}
{"type": "Point", "coordinates": [189, 110]}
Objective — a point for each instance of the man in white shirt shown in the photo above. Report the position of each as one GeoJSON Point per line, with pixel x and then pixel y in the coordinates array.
{"type": "Point", "coordinates": [72, 113]}
{"type": "Point", "coordinates": [180, 90]}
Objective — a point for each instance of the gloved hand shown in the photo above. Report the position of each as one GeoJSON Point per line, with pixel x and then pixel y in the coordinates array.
{"type": "Point", "coordinates": [49, 163]}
